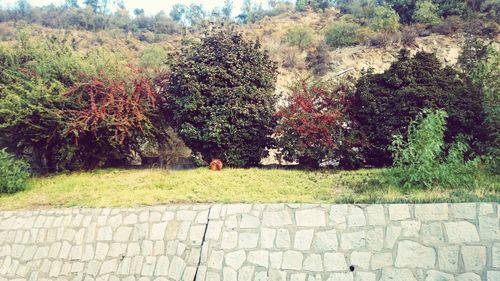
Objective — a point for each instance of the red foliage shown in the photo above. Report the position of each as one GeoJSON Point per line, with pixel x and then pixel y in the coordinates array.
{"type": "Point", "coordinates": [313, 122]}
{"type": "Point", "coordinates": [117, 106]}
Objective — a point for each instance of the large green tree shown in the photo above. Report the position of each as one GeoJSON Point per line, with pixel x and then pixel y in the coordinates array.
{"type": "Point", "coordinates": [385, 103]}
{"type": "Point", "coordinates": [220, 98]}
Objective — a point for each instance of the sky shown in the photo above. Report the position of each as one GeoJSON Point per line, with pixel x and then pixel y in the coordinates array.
{"type": "Point", "coordinates": [151, 7]}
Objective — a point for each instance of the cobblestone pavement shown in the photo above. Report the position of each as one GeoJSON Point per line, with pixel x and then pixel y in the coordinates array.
{"type": "Point", "coordinates": [296, 242]}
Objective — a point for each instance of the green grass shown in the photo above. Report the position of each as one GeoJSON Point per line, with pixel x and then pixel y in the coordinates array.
{"type": "Point", "coordinates": [123, 187]}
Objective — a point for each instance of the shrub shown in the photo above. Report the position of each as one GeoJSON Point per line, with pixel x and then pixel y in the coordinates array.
{"type": "Point", "coordinates": [426, 12]}
{"type": "Point", "coordinates": [318, 60]}
{"type": "Point", "coordinates": [420, 162]}
{"type": "Point", "coordinates": [384, 19]}
{"type": "Point", "coordinates": [13, 173]}
{"type": "Point", "coordinates": [342, 34]}
{"type": "Point", "coordinates": [312, 126]}
{"type": "Point", "coordinates": [385, 103]}
{"type": "Point", "coordinates": [300, 36]}
{"type": "Point", "coordinates": [220, 98]}
{"type": "Point", "coordinates": [449, 25]}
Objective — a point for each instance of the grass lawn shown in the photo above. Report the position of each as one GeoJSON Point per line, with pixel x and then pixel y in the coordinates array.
{"type": "Point", "coordinates": [123, 187]}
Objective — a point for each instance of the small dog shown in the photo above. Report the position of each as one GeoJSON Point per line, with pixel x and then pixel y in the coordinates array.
{"type": "Point", "coordinates": [216, 165]}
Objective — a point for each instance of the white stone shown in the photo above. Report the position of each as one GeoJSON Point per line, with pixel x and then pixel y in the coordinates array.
{"type": "Point", "coordinates": [492, 275]}
{"type": "Point", "coordinates": [399, 212]}
{"type": "Point", "coordinates": [361, 259]}
{"type": "Point", "coordinates": [246, 273]}
{"type": "Point", "coordinates": [310, 217]}
{"type": "Point", "coordinates": [381, 260]}
{"type": "Point", "coordinates": [431, 212]}
{"type": "Point", "coordinates": [338, 215]}
{"type": "Point", "coordinates": [463, 210]}
{"type": "Point", "coordinates": [432, 233]}
{"type": "Point", "coordinates": [375, 239]}
{"type": "Point", "coordinates": [122, 234]}
{"type": "Point", "coordinates": [303, 239]}
{"type": "Point", "coordinates": [335, 262]}
{"type": "Point", "coordinates": [277, 275]}
{"type": "Point", "coordinates": [469, 276]}
{"type": "Point", "coordinates": [279, 218]}
{"type": "Point", "coordinates": [298, 277]}
{"type": "Point", "coordinates": [326, 240]}
{"type": "Point", "coordinates": [229, 240]}
{"type": "Point", "coordinates": [248, 240]}
{"type": "Point", "coordinates": [365, 276]}
{"type": "Point", "coordinates": [229, 274]}
{"type": "Point", "coordinates": [186, 215]}
{"type": "Point", "coordinates": [392, 234]}
{"type": "Point", "coordinates": [461, 232]}
{"type": "Point", "coordinates": [489, 228]}
{"type": "Point", "coordinates": [376, 215]}
{"type": "Point", "coordinates": [283, 239]}
{"type": "Point", "coordinates": [410, 228]}
{"type": "Point", "coordinates": [433, 275]}
{"type": "Point", "coordinates": [162, 266]}
{"type": "Point", "coordinates": [485, 209]}
{"type": "Point", "coordinates": [235, 259]}
{"type": "Point", "coordinates": [176, 268]}
{"type": "Point", "coordinates": [267, 236]}
{"type": "Point", "coordinates": [248, 221]}
{"type": "Point", "coordinates": [337, 276]}
{"type": "Point", "coordinates": [448, 258]}
{"type": "Point", "coordinates": [414, 255]}
{"type": "Point", "coordinates": [158, 231]}
{"type": "Point", "coordinates": [495, 255]}
{"type": "Point", "coordinates": [292, 260]}
{"type": "Point", "coordinates": [276, 259]}
{"type": "Point", "coordinates": [356, 216]}
{"type": "Point", "coordinates": [215, 260]}
{"type": "Point", "coordinates": [355, 240]}
{"type": "Point", "coordinates": [238, 209]}
{"type": "Point", "coordinates": [313, 262]}
{"type": "Point", "coordinates": [259, 257]}
{"type": "Point", "coordinates": [213, 230]}
{"type": "Point", "coordinates": [196, 234]}
{"type": "Point", "coordinates": [474, 257]}
{"type": "Point", "coordinates": [394, 274]}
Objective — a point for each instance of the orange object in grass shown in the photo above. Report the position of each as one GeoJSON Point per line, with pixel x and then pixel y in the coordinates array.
{"type": "Point", "coordinates": [216, 165]}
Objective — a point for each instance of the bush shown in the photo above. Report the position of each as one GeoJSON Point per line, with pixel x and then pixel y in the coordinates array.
{"type": "Point", "coordinates": [300, 36]}
{"type": "Point", "coordinates": [342, 34]}
{"type": "Point", "coordinates": [220, 98]}
{"type": "Point", "coordinates": [420, 162]}
{"type": "Point", "coordinates": [13, 173]}
{"type": "Point", "coordinates": [386, 103]}
{"type": "Point", "coordinates": [312, 126]}
{"type": "Point", "coordinates": [318, 60]}
{"type": "Point", "coordinates": [426, 12]}
{"type": "Point", "coordinates": [449, 25]}
{"type": "Point", "coordinates": [384, 19]}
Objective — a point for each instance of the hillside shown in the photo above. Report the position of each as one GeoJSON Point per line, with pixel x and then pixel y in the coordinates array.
{"type": "Point", "coordinates": [271, 31]}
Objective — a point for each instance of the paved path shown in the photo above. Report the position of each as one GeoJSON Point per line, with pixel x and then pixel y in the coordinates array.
{"type": "Point", "coordinates": [296, 242]}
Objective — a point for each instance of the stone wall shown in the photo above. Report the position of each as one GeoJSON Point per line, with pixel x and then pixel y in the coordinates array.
{"type": "Point", "coordinates": [424, 242]}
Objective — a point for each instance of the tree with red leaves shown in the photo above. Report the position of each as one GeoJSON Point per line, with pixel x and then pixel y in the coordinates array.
{"type": "Point", "coordinates": [314, 124]}
{"type": "Point", "coordinates": [110, 117]}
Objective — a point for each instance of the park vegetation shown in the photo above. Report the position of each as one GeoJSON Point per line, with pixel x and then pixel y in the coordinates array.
{"type": "Point", "coordinates": [428, 125]}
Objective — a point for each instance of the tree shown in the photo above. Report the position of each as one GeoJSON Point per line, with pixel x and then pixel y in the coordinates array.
{"type": "Point", "coordinates": [92, 4]}
{"type": "Point", "coordinates": [220, 98]}
{"type": "Point", "coordinates": [71, 3]}
{"type": "Point", "coordinates": [138, 12]}
{"type": "Point", "coordinates": [404, 8]}
{"type": "Point", "coordinates": [313, 125]}
{"type": "Point", "coordinates": [178, 12]}
{"type": "Point", "coordinates": [300, 5]}
{"type": "Point", "coordinates": [318, 60]}
{"type": "Point", "coordinates": [426, 12]}
{"type": "Point", "coordinates": [227, 9]}
{"type": "Point", "coordinates": [385, 103]}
